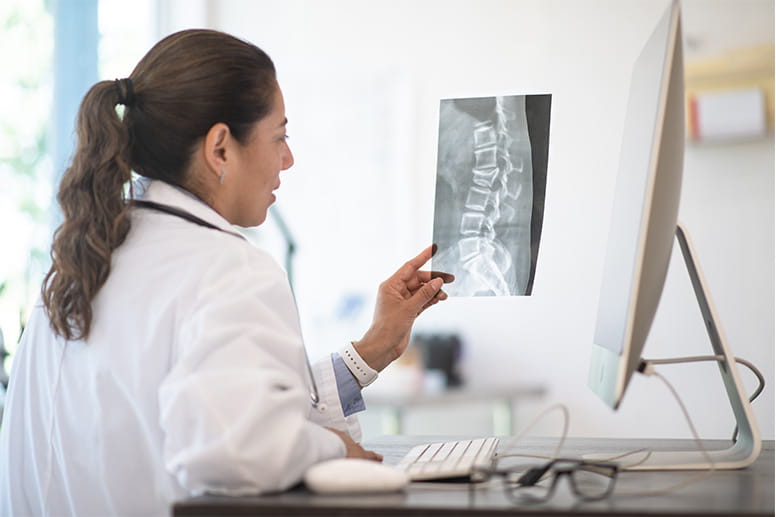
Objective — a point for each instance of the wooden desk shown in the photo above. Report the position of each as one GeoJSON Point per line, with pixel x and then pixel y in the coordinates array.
{"type": "Point", "coordinates": [741, 492]}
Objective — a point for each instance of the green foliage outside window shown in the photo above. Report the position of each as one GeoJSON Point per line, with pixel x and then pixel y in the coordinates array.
{"type": "Point", "coordinates": [27, 39]}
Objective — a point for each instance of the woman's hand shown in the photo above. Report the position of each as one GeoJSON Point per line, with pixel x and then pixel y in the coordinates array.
{"type": "Point", "coordinates": [400, 300]}
{"type": "Point", "coordinates": [353, 449]}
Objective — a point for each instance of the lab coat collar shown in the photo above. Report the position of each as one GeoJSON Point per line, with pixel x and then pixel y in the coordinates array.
{"type": "Point", "coordinates": [166, 194]}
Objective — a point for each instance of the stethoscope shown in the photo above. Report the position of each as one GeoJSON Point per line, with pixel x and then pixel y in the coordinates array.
{"type": "Point", "coordinates": [315, 398]}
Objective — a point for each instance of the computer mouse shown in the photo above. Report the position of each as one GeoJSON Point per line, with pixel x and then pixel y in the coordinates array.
{"type": "Point", "coordinates": [352, 475]}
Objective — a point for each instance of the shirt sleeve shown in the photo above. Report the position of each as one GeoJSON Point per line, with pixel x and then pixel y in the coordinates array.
{"type": "Point", "coordinates": [349, 390]}
{"type": "Point", "coordinates": [330, 411]}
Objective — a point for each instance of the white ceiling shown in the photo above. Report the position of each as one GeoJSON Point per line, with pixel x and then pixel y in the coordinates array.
{"type": "Point", "coordinates": [712, 27]}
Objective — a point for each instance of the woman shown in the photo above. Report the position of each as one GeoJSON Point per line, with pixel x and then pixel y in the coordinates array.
{"type": "Point", "coordinates": [166, 357]}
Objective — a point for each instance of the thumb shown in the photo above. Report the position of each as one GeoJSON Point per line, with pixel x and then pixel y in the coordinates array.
{"type": "Point", "coordinates": [426, 293]}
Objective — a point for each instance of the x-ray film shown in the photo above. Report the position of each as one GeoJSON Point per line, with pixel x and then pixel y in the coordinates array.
{"type": "Point", "coordinates": [490, 187]}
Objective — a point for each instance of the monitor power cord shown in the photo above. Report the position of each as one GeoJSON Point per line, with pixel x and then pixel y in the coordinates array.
{"type": "Point", "coordinates": [646, 367]}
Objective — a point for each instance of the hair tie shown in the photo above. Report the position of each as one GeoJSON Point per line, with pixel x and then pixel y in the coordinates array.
{"type": "Point", "coordinates": [124, 91]}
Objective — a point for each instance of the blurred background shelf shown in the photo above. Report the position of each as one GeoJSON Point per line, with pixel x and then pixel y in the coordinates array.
{"type": "Point", "coordinates": [500, 404]}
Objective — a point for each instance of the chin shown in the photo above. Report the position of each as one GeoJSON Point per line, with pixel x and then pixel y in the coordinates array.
{"type": "Point", "coordinates": [250, 221]}
{"type": "Point", "coordinates": [259, 219]}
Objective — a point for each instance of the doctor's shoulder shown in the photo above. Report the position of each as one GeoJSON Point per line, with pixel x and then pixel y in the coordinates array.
{"type": "Point", "coordinates": [230, 256]}
{"type": "Point", "coordinates": [189, 258]}
{"type": "Point", "coordinates": [255, 262]}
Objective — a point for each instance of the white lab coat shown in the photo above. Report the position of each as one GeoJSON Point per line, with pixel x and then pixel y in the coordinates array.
{"type": "Point", "coordinates": [192, 381]}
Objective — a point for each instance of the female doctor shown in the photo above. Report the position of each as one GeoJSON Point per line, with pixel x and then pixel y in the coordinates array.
{"type": "Point", "coordinates": [166, 357]}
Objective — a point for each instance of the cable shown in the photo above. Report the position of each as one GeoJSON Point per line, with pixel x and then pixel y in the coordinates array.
{"type": "Point", "coordinates": [646, 367]}
{"type": "Point", "coordinates": [648, 370]}
{"type": "Point", "coordinates": [563, 408]}
{"type": "Point", "coordinates": [646, 364]}
{"type": "Point", "coordinates": [647, 455]}
{"type": "Point", "coordinates": [496, 455]}
{"type": "Point", "coordinates": [689, 420]}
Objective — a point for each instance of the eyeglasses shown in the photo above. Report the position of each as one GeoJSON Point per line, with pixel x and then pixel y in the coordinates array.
{"type": "Point", "coordinates": [589, 480]}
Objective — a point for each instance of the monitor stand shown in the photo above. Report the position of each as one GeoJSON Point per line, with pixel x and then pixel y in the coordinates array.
{"type": "Point", "coordinates": [746, 448]}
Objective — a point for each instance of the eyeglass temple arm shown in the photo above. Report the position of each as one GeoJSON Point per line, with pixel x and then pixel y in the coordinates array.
{"type": "Point", "coordinates": [532, 476]}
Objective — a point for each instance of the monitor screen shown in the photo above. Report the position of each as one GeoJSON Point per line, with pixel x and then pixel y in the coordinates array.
{"type": "Point", "coordinates": [644, 214]}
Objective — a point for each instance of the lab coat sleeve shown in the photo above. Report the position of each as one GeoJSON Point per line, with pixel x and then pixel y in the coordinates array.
{"type": "Point", "coordinates": [329, 413]}
{"type": "Point", "coordinates": [234, 408]}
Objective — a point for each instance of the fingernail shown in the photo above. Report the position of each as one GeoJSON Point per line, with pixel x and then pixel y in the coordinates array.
{"type": "Point", "coordinates": [434, 248]}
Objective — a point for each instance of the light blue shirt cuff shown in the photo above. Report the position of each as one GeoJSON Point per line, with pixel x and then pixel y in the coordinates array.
{"type": "Point", "coordinates": [347, 387]}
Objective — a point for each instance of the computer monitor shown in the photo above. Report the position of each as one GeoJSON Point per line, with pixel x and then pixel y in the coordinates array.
{"type": "Point", "coordinates": [643, 226]}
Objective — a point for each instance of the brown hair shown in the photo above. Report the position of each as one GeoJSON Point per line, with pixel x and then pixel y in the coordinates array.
{"type": "Point", "coordinates": [185, 84]}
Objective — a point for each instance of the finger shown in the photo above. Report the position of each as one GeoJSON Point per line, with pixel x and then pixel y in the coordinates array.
{"type": "Point", "coordinates": [405, 292]}
{"type": "Point", "coordinates": [421, 277]}
{"type": "Point", "coordinates": [426, 293]}
{"type": "Point", "coordinates": [416, 262]}
{"type": "Point", "coordinates": [441, 295]}
{"type": "Point", "coordinates": [446, 277]}
{"type": "Point", "coordinates": [429, 304]}
{"type": "Point", "coordinates": [372, 455]}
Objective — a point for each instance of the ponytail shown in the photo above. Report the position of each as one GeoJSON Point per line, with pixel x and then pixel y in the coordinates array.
{"type": "Point", "coordinates": [186, 83]}
{"type": "Point", "coordinates": [91, 196]}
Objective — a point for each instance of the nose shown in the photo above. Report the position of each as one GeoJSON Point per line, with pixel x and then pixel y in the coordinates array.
{"type": "Point", "coordinates": [288, 158]}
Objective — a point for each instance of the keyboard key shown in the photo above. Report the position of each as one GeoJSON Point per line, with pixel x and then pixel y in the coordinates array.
{"type": "Point", "coordinates": [447, 459]}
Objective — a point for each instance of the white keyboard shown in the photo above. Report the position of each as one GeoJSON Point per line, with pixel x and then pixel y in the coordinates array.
{"type": "Point", "coordinates": [447, 459]}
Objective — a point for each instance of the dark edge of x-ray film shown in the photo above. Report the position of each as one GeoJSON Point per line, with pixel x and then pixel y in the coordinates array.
{"type": "Point", "coordinates": [537, 109]}
{"type": "Point", "coordinates": [490, 189]}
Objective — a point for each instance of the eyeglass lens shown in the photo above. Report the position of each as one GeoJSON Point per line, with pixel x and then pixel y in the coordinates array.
{"type": "Point", "coordinates": [588, 481]}
{"type": "Point", "coordinates": [592, 483]}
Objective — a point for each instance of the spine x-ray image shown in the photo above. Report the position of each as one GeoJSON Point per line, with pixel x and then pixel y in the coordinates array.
{"type": "Point", "coordinates": [490, 186]}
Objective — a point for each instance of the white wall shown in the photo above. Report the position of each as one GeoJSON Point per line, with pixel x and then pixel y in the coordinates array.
{"type": "Point", "coordinates": [362, 82]}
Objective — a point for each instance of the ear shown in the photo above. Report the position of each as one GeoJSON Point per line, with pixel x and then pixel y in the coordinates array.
{"type": "Point", "coordinates": [215, 147]}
